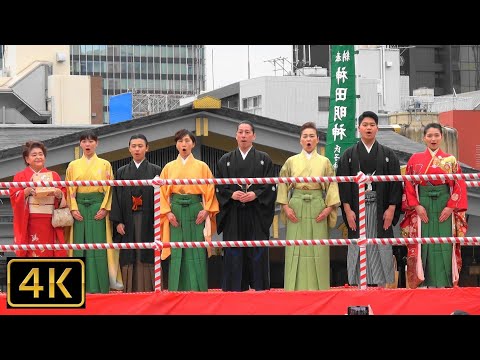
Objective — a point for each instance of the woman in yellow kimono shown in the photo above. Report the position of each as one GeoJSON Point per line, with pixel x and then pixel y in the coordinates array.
{"type": "Point", "coordinates": [308, 213]}
{"type": "Point", "coordinates": [187, 213]}
{"type": "Point", "coordinates": [90, 206]}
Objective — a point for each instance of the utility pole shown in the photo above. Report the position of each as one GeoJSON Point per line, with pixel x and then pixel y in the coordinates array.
{"type": "Point", "coordinates": [213, 76]}
{"type": "Point", "coordinates": [248, 55]}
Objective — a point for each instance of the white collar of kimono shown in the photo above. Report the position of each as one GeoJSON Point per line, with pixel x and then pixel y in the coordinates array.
{"type": "Point", "coordinates": [433, 153]}
{"type": "Point", "coordinates": [368, 147]}
{"type": "Point", "coordinates": [36, 172]}
{"type": "Point", "coordinates": [184, 161]}
{"type": "Point", "coordinates": [244, 155]}
{"type": "Point", "coordinates": [138, 164]}
{"type": "Point", "coordinates": [309, 156]}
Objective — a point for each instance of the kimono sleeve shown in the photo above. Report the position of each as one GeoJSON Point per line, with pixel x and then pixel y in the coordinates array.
{"type": "Point", "coordinates": [458, 198]}
{"type": "Point", "coordinates": [343, 169]}
{"type": "Point", "coordinates": [282, 195]}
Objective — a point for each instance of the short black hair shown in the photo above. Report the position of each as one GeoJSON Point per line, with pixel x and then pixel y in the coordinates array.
{"type": "Point", "coordinates": [180, 134]}
{"type": "Point", "coordinates": [432, 125]}
{"type": "Point", "coordinates": [248, 123]}
{"type": "Point", "coordinates": [138, 136]}
{"type": "Point", "coordinates": [29, 146]}
{"type": "Point", "coordinates": [88, 135]}
{"type": "Point", "coordinates": [309, 125]}
{"type": "Point", "coordinates": [368, 114]}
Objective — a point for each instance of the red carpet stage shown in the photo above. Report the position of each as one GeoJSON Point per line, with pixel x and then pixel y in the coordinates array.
{"type": "Point", "coordinates": [273, 302]}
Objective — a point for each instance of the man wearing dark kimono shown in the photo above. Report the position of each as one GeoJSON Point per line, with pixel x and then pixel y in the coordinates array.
{"type": "Point", "coordinates": [246, 213]}
{"type": "Point", "coordinates": [132, 215]}
{"type": "Point", "coordinates": [382, 202]}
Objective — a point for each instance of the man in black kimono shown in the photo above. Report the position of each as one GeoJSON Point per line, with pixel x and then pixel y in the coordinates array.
{"type": "Point", "coordinates": [132, 216]}
{"type": "Point", "coordinates": [382, 201]}
{"type": "Point", "coordinates": [246, 213]}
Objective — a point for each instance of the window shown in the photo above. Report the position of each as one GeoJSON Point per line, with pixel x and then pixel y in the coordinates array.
{"type": "Point", "coordinates": [323, 103]}
{"type": "Point", "coordinates": [253, 102]}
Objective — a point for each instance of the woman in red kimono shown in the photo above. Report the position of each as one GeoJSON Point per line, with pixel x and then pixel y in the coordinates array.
{"type": "Point", "coordinates": [433, 208]}
{"type": "Point", "coordinates": [33, 206]}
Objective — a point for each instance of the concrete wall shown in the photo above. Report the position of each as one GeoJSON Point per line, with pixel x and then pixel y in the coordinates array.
{"type": "Point", "coordinates": [12, 116]}
{"type": "Point", "coordinates": [411, 118]}
{"type": "Point", "coordinates": [253, 87]}
{"type": "Point", "coordinates": [32, 88]}
{"type": "Point", "coordinates": [375, 63]}
{"type": "Point", "coordinates": [412, 125]}
{"type": "Point", "coordinates": [71, 99]}
{"type": "Point", "coordinates": [18, 57]}
{"type": "Point", "coordinates": [96, 83]}
{"type": "Point", "coordinates": [294, 99]}
{"type": "Point", "coordinates": [290, 99]}
{"type": "Point", "coordinates": [369, 98]}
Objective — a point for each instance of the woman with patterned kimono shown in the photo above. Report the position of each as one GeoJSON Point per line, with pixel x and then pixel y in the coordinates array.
{"type": "Point", "coordinates": [90, 206]}
{"type": "Point", "coordinates": [187, 213]}
{"type": "Point", "coordinates": [433, 208]}
{"type": "Point", "coordinates": [308, 214]}
{"type": "Point", "coordinates": [33, 206]}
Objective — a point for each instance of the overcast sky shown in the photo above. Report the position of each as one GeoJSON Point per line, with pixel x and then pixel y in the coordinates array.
{"type": "Point", "coordinates": [230, 62]}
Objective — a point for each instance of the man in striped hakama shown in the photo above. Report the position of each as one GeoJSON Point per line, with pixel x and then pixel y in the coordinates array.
{"type": "Point", "coordinates": [382, 202]}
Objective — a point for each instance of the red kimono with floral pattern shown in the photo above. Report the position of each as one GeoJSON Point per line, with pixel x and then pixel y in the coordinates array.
{"type": "Point", "coordinates": [39, 231]}
{"type": "Point", "coordinates": [424, 163]}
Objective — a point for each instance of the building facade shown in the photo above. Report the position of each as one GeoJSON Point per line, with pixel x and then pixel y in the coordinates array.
{"type": "Point", "coordinates": [154, 69]}
{"type": "Point", "coordinates": [439, 67]}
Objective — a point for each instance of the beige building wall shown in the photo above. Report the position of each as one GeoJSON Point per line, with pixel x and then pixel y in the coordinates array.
{"type": "Point", "coordinates": [413, 123]}
{"type": "Point", "coordinates": [19, 57]}
{"type": "Point", "coordinates": [412, 118]}
{"type": "Point", "coordinates": [71, 99]}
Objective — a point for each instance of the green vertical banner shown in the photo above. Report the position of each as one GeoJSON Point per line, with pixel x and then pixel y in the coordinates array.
{"type": "Point", "coordinates": [341, 119]}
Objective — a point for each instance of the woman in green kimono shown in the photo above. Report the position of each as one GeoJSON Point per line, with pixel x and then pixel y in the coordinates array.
{"type": "Point", "coordinates": [187, 213]}
{"type": "Point", "coordinates": [310, 211]}
{"type": "Point", "coordinates": [90, 207]}
{"type": "Point", "coordinates": [434, 208]}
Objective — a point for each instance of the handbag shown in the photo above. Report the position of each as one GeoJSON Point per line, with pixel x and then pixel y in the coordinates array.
{"type": "Point", "coordinates": [62, 217]}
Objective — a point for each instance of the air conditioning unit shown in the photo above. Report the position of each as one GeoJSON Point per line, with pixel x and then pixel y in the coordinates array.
{"type": "Point", "coordinates": [61, 57]}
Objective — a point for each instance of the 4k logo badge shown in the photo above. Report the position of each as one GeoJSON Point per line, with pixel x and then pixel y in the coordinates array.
{"type": "Point", "coordinates": [46, 283]}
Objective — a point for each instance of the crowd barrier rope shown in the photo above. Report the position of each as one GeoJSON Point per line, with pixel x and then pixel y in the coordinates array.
{"type": "Point", "coordinates": [361, 179]}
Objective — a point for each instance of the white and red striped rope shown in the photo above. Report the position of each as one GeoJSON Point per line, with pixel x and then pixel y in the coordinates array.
{"type": "Point", "coordinates": [471, 240]}
{"type": "Point", "coordinates": [89, 246]}
{"type": "Point", "coordinates": [225, 181]}
{"type": "Point", "coordinates": [472, 183]}
{"type": "Point", "coordinates": [469, 184]}
{"type": "Point", "coordinates": [467, 240]}
{"type": "Point", "coordinates": [157, 182]}
{"type": "Point", "coordinates": [79, 183]}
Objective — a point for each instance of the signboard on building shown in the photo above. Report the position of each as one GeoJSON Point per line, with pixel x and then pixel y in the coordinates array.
{"type": "Point", "coordinates": [121, 108]}
{"type": "Point", "coordinates": [341, 119]}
